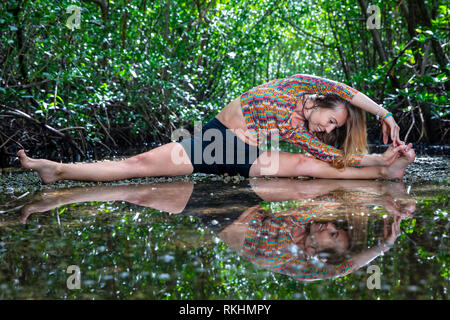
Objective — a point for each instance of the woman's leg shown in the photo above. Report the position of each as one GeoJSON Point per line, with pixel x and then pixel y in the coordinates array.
{"type": "Point", "coordinates": [168, 197]}
{"type": "Point", "coordinates": [167, 160]}
{"type": "Point", "coordinates": [294, 165]}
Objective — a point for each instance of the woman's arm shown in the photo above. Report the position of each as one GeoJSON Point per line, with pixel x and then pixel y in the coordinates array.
{"type": "Point", "coordinates": [327, 153]}
{"type": "Point", "coordinates": [362, 101]}
{"type": "Point", "coordinates": [299, 84]}
{"type": "Point", "coordinates": [388, 124]}
{"type": "Point", "coordinates": [302, 83]}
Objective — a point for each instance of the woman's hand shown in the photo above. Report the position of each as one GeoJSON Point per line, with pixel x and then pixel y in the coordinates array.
{"type": "Point", "coordinates": [392, 153]}
{"type": "Point", "coordinates": [403, 208]}
{"type": "Point", "coordinates": [390, 233]}
{"type": "Point", "coordinates": [390, 126]}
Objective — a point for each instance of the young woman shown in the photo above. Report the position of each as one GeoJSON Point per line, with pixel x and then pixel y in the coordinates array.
{"type": "Point", "coordinates": [323, 117]}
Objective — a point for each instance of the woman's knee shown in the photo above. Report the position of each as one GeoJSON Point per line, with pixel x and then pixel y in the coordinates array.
{"type": "Point", "coordinates": [308, 166]}
{"type": "Point", "coordinates": [137, 163]}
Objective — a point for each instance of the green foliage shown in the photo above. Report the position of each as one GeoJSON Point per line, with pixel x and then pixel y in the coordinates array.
{"type": "Point", "coordinates": [150, 66]}
{"type": "Point", "coordinates": [125, 251]}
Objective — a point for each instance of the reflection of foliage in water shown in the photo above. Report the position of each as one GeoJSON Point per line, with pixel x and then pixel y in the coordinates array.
{"type": "Point", "coordinates": [126, 251]}
{"type": "Point", "coordinates": [430, 230]}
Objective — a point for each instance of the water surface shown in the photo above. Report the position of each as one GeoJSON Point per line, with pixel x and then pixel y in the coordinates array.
{"type": "Point", "coordinates": [189, 237]}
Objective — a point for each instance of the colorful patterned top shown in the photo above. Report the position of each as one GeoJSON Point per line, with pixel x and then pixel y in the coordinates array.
{"type": "Point", "coordinates": [268, 244]}
{"type": "Point", "coordinates": [269, 107]}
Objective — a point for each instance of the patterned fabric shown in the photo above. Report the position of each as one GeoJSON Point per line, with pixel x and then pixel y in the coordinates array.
{"type": "Point", "coordinates": [268, 244]}
{"type": "Point", "coordinates": [268, 108]}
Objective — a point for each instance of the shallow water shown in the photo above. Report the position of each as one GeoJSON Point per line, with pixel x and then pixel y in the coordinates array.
{"type": "Point", "coordinates": [185, 238]}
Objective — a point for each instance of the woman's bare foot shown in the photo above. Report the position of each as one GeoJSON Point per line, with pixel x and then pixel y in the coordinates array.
{"type": "Point", "coordinates": [47, 170]}
{"type": "Point", "coordinates": [397, 169]}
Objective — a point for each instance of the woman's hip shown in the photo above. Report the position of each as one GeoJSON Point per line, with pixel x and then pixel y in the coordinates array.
{"type": "Point", "coordinates": [217, 150]}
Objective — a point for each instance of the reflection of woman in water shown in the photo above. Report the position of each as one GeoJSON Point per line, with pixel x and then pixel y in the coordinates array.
{"type": "Point", "coordinates": [303, 241]}
{"type": "Point", "coordinates": [310, 242]}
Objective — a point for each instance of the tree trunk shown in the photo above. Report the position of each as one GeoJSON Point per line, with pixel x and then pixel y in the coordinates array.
{"type": "Point", "coordinates": [423, 18]}
{"type": "Point", "coordinates": [339, 49]}
{"type": "Point", "coordinates": [378, 44]}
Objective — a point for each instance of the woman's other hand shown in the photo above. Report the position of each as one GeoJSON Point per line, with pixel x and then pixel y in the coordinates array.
{"type": "Point", "coordinates": [390, 126]}
{"type": "Point", "coordinates": [394, 152]}
{"type": "Point", "coordinates": [391, 232]}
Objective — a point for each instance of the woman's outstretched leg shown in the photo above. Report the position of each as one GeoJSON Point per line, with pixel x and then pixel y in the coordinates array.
{"type": "Point", "coordinates": [294, 165]}
{"type": "Point", "coordinates": [167, 160]}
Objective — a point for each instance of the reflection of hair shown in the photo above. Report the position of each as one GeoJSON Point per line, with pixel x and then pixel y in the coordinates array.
{"type": "Point", "coordinates": [347, 217]}
{"type": "Point", "coordinates": [351, 138]}
{"type": "Point", "coordinates": [268, 236]}
{"type": "Point", "coordinates": [332, 256]}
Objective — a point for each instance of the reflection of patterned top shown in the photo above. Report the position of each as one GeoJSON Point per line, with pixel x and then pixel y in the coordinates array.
{"type": "Point", "coordinates": [269, 107]}
{"type": "Point", "coordinates": [269, 245]}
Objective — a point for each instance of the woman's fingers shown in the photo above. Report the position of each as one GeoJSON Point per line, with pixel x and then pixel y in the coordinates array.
{"type": "Point", "coordinates": [391, 128]}
{"type": "Point", "coordinates": [398, 150]}
{"type": "Point", "coordinates": [395, 135]}
{"type": "Point", "coordinates": [404, 148]}
{"type": "Point", "coordinates": [385, 131]}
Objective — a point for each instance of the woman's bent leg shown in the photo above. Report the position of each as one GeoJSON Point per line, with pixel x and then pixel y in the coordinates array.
{"type": "Point", "coordinates": [295, 165]}
{"type": "Point", "coordinates": [167, 160]}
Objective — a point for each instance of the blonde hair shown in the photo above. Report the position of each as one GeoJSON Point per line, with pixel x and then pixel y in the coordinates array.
{"type": "Point", "coordinates": [351, 138]}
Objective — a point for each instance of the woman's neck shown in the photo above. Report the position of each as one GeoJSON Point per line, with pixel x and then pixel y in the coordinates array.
{"type": "Point", "coordinates": [299, 236]}
{"type": "Point", "coordinates": [300, 114]}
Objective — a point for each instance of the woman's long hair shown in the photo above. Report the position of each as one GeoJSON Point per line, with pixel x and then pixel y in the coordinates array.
{"type": "Point", "coordinates": [351, 138]}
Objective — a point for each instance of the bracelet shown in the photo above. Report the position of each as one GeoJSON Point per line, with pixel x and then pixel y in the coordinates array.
{"type": "Point", "coordinates": [386, 245]}
{"type": "Point", "coordinates": [387, 115]}
{"type": "Point", "coordinates": [378, 114]}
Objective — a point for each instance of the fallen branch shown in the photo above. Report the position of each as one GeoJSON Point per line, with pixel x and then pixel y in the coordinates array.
{"type": "Point", "coordinates": [26, 116]}
{"type": "Point", "coordinates": [411, 126]}
{"type": "Point", "coordinates": [72, 128]}
{"type": "Point", "coordinates": [443, 136]}
{"type": "Point", "coordinates": [9, 138]}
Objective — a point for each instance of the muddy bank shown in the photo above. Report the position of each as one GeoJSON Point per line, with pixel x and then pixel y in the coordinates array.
{"type": "Point", "coordinates": [425, 168]}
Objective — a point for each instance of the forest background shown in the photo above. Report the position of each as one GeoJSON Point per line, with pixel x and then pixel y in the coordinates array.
{"type": "Point", "coordinates": [84, 80]}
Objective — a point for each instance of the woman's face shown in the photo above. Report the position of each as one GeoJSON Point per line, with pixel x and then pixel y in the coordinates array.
{"type": "Point", "coordinates": [326, 236]}
{"type": "Point", "coordinates": [326, 119]}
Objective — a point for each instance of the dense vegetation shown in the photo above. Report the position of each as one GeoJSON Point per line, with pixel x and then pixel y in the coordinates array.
{"type": "Point", "coordinates": [106, 76]}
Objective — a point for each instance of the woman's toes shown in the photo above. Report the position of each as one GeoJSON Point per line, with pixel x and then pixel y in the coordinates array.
{"type": "Point", "coordinates": [25, 161]}
{"type": "Point", "coordinates": [45, 168]}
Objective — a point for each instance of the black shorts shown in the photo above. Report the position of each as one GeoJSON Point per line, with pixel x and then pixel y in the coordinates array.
{"type": "Point", "coordinates": [218, 150]}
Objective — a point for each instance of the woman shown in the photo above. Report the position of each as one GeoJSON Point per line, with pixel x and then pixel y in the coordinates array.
{"type": "Point", "coordinates": [297, 109]}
